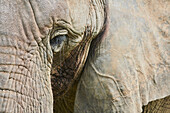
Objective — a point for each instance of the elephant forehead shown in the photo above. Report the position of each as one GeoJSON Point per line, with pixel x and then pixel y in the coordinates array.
{"type": "Point", "coordinates": [79, 13]}
{"type": "Point", "coordinates": [72, 11]}
{"type": "Point", "coordinates": [37, 17]}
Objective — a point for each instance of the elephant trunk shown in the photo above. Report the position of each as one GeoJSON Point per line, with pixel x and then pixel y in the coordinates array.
{"type": "Point", "coordinates": [24, 85]}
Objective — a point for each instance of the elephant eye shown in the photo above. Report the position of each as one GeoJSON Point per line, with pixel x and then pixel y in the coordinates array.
{"type": "Point", "coordinates": [57, 41]}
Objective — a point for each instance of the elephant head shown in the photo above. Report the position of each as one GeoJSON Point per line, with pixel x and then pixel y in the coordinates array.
{"type": "Point", "coordinates": [90, 55]}
{"type": "Point", "coordinates": [43, 48]}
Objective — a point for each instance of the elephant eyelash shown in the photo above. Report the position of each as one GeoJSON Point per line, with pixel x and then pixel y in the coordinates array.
{"type": "Point", "coordinates": [64, 36]}
{"type": "Point", "coordinates": [57, 42]}
{"type": "Point", "coordinates": [57, 39]}
{"type": "Point", "coordinates": [59, 33]}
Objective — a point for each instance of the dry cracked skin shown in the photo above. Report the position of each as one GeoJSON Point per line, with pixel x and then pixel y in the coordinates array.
{"type": "Point", "coordinates": [84, 56]}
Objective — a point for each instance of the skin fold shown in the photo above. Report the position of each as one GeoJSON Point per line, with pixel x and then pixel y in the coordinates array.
{"type": "Point", "coordinates": [83, 56]}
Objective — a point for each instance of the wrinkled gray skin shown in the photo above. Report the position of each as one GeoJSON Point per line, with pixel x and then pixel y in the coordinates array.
{"type": "Point", "coordinates": [27, 53]}
{"type": "Point", "coordinates": [128, 69]}
{"type": "Point", "coordinates": [131, 67]}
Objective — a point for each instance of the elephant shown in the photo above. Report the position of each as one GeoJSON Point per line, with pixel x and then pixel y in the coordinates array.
{"type": "Point", "coordinates": [84, 56]}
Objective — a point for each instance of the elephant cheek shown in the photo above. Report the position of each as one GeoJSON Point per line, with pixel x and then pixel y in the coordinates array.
{"type": "Point", "coordinates": [24, 83]}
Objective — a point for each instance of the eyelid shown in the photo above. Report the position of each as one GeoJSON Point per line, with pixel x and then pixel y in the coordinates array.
{"type": "Point", "coordinates": [59, 32]}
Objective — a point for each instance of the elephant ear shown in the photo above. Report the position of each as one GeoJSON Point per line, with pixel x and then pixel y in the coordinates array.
{"type": "Point", "coordinates": [131, 66]}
